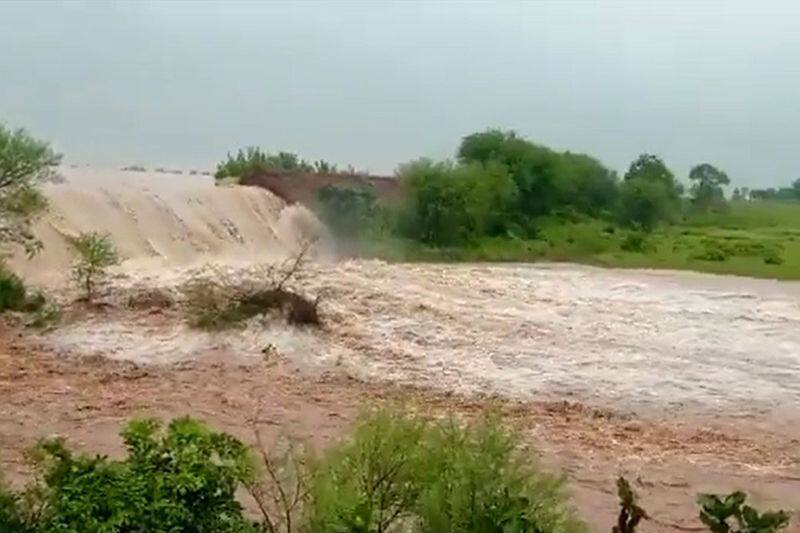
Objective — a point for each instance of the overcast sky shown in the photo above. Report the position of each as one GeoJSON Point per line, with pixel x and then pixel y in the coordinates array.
{"type": "Point", "coordinates": [377, 83]}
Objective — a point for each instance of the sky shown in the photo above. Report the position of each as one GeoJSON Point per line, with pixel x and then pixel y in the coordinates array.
{"type": "Point", "coordinates": [377, 83]}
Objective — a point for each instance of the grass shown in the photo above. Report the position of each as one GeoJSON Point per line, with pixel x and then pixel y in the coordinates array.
{"type": "Point", "coordinates": [758, 239]}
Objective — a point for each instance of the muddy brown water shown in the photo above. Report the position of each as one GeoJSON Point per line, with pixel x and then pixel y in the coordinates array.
{"type": "Point", "coordinates": [630, 339]}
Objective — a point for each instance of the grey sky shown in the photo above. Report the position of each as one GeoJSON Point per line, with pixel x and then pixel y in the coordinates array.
{"type": "Point", "coordinates": [379, 83]}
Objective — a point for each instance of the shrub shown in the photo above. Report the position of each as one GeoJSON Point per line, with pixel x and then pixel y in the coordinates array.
{"type": "Point", "coordinates": [182, 478]}
{"type": "Point", "coordinates": [371, 481]}
{"type": "Point", "coordinates": [13, 295]}
{"type": "Point", "coordinates": [713, 251]}
{"type": "Point", "coordinates": [478, 478]}
{"type": "Point", "coordinates": [634, 241]}
{"type": "Point", "coordinates": [96, 254]}
{"type": "Point", "coordinates": [405, 471]}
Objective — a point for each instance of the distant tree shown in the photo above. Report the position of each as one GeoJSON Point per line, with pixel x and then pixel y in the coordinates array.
{"type": "Point", "coordinates": [745, 193]}
{"type": "Point", "coordinates": [707, 182]}
{"type": "Point", "coordinates": [24, 163]}
{"type": "Point", "coordinates": [323, 167]}
{"type": "Point", "coordinates": [545, 179]}
{"type": "Point", "coordinates": [796, 188]}
{"type": "Point", "coordinates": [737, 194]}
{"type": "Point", "coordinates": [649, 193]}
{"type": "Point", "coordinates": [253, 159]}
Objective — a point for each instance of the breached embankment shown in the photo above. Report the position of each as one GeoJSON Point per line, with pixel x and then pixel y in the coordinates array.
{"type": "Point", "coordinates": [161, 220]}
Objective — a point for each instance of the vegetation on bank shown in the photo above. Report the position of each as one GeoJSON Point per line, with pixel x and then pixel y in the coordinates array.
{"type": "Point", "coordinates": [508, 199]}
{"type": "Point", "coordinates": [395, 472]}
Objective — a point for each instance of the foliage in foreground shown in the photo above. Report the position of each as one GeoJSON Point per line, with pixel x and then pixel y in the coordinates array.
{"type": "Point", "coordinates": [24, 163]}
{"type": "Point", "coordinates": [395, 472]}
{"type": "Point", "coordinates": [181, 478]}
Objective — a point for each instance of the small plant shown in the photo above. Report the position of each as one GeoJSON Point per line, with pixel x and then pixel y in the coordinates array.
{"type": "Point", "coordinates": [630, 513]}
{"type": "Point", "coordinates": [729, 514]}
{"type": "Point", "coordinates": [96, 254]}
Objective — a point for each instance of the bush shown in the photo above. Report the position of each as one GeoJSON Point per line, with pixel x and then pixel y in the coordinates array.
{"type": "Point", "coordinates": [478, 478]}
{"type": "Point", "coordinates": [435, 476]}
{"type": "Point", "coordinates": [96, 254]}
{"type": "Point", "coordinates": [183, 478]}
{"type": "Point", "coordinates": [634, 241]}
{"type": "Point", "coordinates": [13, 295]}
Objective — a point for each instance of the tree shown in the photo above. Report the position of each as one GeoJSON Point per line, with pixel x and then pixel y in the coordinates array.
{"type": "Point", "coordinates": [453, 204]}
{"type": "Point", "coordinates": [24, 163]}
{"type": "Point", "coordinates": [545, 179]}
{"type": "Point", "coordinates": [649, 193]}
{"type": "Point", "coordinates": [96, 254]}
{"type": "Point", "coordinates": [707, 185]}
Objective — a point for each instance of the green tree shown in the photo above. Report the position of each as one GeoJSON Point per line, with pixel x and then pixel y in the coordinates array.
{"type": "Point", "coordinates": [545, 179]}
{"type": "Point", "coordinates": [649, 193]}
{"type": "Point", "coordinates": [454, 204]}
{"type": "Point", "coordinates": [24, 163]}
{"type": "Point", "coordinates": [532, 167]}
{"type": "Point", "coordinates": [707, 182]}
{"type": "Point", "coordinates": [96, 253]}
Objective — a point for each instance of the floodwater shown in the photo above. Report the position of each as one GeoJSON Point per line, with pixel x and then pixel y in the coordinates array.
{"type": "Point", "coordinates": [641, 339]}
{"type": "Point", "coordinates": [618, 337]}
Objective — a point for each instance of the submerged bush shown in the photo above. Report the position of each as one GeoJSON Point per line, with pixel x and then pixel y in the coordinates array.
{"type": "Point", "coordinates": [219, 301]}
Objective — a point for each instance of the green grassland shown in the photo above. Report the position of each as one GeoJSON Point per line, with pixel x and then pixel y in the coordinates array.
{"type": "Point", "coordinates": [749, 238]}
